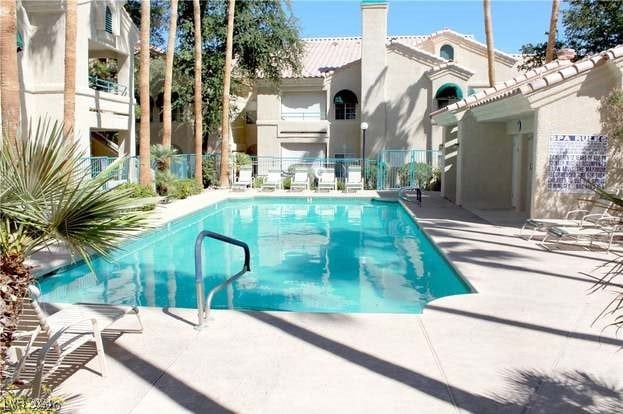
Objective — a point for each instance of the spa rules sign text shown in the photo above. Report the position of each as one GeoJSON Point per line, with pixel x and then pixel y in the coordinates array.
{"type": "Point", "coordinates": [575, 158]}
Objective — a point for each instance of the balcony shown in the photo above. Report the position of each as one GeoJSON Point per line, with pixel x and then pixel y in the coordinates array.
{"type": "Point", "coordinates": [104, 85]}
{"type": "Point", "coordinates": [302, 116]}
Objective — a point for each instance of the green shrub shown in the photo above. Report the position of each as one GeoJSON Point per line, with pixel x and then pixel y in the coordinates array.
{"type": "Point", "coordinates": [162, 156]}
{"type": "Point", "coordinates": [259, 182]}
{"type": "Point", "coordinates": [164, 182]}
{"type": "Point", "coordinates": [208, 170]}
{"type": "Point", "coordinates": [422, 173]}
{"type": "Point", "coordinates": [341, 186]}
{"type": "Point", "coordinates": [287, 183]}
{"type": "Point", "coordinates": [138, 190]}
{"type": "Point", "coordinates": [241, 159]}
{"type": "Point", "coordinates": [370, 177]}
{"type": "Point", "coordinates": [184, 188]}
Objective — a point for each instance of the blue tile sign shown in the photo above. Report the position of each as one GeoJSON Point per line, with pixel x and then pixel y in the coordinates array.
{"type": "Point", "coordinates": [575, 159]}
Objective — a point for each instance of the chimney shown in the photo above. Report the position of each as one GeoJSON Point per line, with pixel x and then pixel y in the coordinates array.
{"type": "Point", "coordinates": [373, 72]}
{"type": "Point", "coordinates": [566, 54]}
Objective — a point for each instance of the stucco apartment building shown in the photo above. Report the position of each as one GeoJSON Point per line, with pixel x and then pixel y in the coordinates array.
{"type": "Point", "coordinates": [104, 117]}
{"type": "Point", "coordinates": [392, 83]}
{"type": "Point", "coordinates": [529, 144]}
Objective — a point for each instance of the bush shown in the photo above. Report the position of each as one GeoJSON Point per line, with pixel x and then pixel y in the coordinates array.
{"type": "Point", "coordinates": [164, 182]}
{"type": "Point", "coordinates": [184, 188]}
{"type": "Point", "coordinates": [341, 186]}
{"type": "Point", "coordinates": [162, 156]}
{"type": "Point", "coordinates": [287, 183]}
{"type": "Point", "coordinates": [138, 190]}
{"type": "Point", "coordinates": [208, 171]}
{"type": "Point", "coordinates": [370, 177]}
{"type": "Point", "coordinates": [422, 173]}
{"type": "Point", "coordinates": [259, 182]}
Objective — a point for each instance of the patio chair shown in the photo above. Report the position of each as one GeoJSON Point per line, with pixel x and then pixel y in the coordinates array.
{"type": "Point", "coordinates": [245, 179]}
{"type": "Point", "coordinates": [300, 180]}
{"type": "Point", "coordinates": [606, 227]}
{"type": "Point", "coordinates": [67, 330]}
{"type": "Point", "coordinates": [273, 180]}
{"type": "Point", "coordinates": [354, 180]}
{"type": "Point", "coordinates": [574, 218]}
{"type": "Point", "coordinates": [326, 181]}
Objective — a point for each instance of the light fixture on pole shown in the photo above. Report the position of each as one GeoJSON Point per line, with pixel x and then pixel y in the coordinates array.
{"type": "Point", "coordinates": [364, 127]}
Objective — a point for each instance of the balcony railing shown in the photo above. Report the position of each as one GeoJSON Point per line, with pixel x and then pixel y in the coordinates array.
{"type": "Point", "coordinates": [302, 116]}
{"type": "Point", "coordinates": [104, 85]}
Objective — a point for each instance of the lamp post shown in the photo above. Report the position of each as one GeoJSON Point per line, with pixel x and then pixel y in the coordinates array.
{"type": "Point", "coordinates": [364, 127]}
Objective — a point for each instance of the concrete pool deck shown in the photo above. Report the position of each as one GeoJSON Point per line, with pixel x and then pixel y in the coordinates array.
{"type": "Point", "coordinates": [524, 343]}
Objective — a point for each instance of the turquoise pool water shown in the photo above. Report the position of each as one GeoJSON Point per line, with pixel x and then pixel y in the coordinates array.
{"type": "Point", "coordinates": [308, 255]}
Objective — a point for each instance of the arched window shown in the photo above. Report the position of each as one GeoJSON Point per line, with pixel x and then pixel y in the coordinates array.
{"type": "Point", "coordinates": [345, 105]}
{"type": "Point", "coordinates": [448, 93]}
{"type": "Point", "coordinates": [108, 20]}
{"type": "Point", "coordinates": [447, 52]}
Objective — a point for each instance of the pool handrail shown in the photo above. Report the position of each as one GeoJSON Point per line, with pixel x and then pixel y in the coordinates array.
{"type": "Point", "coordinates": [203, 308]}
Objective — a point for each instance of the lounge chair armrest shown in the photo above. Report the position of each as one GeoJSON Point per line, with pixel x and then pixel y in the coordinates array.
{"type": "Point", "coordinates": [572, 212]}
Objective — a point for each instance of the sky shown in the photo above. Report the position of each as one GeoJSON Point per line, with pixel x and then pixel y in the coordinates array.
{"type": "Point", "coordinates": [514, 22]}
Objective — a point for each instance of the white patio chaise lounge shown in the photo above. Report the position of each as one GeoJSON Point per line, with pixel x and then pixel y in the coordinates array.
{"type": "Point", "coordinates": [300, 180]}
{"type": "Point", "coordinates": [354, 180]}
{"type": "Point", "coordinates": [326, 179]}
{"type": "Point", "coordinates": [64, 332]}
{"type": "Point", "coordinates": [606, 227]}
{"type": "Point", "coordinates": [273, 180]}
{"type": "Point", "coordinates": [245, 179]}
{"type": "Point", "coordinates": [574, 218]}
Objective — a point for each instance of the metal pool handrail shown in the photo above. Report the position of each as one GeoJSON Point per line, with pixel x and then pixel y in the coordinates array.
{"type": "Point", "coordinates": [402, 194]}
{"type": "Point", "coordinates": [203, 308]}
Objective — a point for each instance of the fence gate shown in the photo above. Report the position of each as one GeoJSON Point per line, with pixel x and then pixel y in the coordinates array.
{"type": "Point", "coordinates": [406, 168]}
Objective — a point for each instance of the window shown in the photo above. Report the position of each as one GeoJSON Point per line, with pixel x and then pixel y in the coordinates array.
{"type": "Point", "coordinates": [447, 94]}
{"type": "Point", "coordinates": [19, 41]}
{"type": "Point", "coordinates": [447, 52]}
{"type": "Point", "coordinates": [345, 105]}
{"type": "Point", "coordinates": [108, 20]}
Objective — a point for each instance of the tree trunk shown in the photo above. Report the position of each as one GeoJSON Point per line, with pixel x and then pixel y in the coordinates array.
{"type": "Point", "coordinates": [198, 89]}
{"type": "Point", "coordinates": [143, 85]}
{"type": "Point", "coordinates": [550, 53]}
{"type": "Point", "coordinates": [224, 179]}
{"type": "Point", "coordinates": [489, 35]}
{"type": "Point", "coordinates": [168, 76]}
{"type": "Point", "coordinates": [9, 81]}
{"type": "Point", "coordinates": [69, 93]}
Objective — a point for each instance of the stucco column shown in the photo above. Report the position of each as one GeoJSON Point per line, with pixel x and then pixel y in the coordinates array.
{"type": "Point", "coordinates": [373, 73]}
{"type": "Point", "coordinates": [461, 141]}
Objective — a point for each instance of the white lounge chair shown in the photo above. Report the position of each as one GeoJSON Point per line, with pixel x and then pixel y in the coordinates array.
{"type": "Point", "coordinates": [574, 218]}
{"type": "Point", "coordinates": [354, 180]}
{"type": "Point", "coordinates": [273, 180]}
{"type": "Point", "coordinates": [245, 179]}
{"type": "Point", "coordinates": [65, 331]}
{"type": "Point", "coordinates": [301, 179]}
{"type": "Point", "coordinates": [326, 181]}
{"type": "Point", "coordinates": [606, 227]}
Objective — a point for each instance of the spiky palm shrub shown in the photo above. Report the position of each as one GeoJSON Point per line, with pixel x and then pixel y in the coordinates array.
{"type": "Point", "coordinates": [161, 154]}
{"type": "Point", "coordinates": [47, 196]}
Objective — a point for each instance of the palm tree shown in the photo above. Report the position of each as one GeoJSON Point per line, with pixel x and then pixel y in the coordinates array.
{"type": "Point", "coordinates": [9, 82]}
{"type": "Point", "coordinates": [48, 196]}
{"type": "Point", "coordinates": [551, 37]}
{"type": "Point", "coordinates": [143, 86]}
{"type": "Point", "coordinates": [224, 180]}
{"type": "Point", "coordinates": [489, 35]}
{"type": "Point", "coordinates": [198, 88]}
{"type": "Point", "coordinates": [69, 92]}
{"type": "Point", "coordinates": [168, 76]}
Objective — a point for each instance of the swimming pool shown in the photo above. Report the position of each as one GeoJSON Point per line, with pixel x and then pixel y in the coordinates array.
{"type": "Point", "coordinates": [307, 255]}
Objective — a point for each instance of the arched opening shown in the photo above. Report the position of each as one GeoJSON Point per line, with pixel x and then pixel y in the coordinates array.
{"type": "Point", "coordinates": [447, 52]}
{"type": "Point", "coordinates": [108, 20]}
{"type": "Point", "coordinates": [448, 93]}
{"type": "Point", "coordinates": [345, 102]}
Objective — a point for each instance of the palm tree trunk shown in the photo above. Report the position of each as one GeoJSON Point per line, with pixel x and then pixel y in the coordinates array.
{"type": "Point", "coordinates": [551, 37]}
{"type": "Point", "coordinates": [224, 179]}
{"type": "Point", "coordinates": [198, 89]}
{"type": "Point", "coordinates": [489, 35]}
{"type": "Point", "coordinates": [168, 76]}
{"type": "Point", "coordinates": [69, 93]}
{"type": "Point", "coordinates": [9, 81]}
{"type": "Point", "coordinates": [143, 85]}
